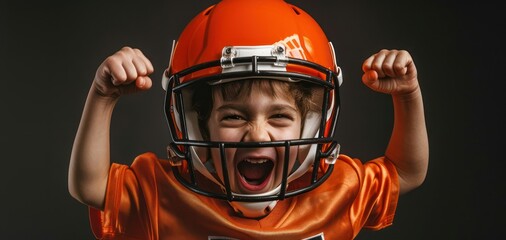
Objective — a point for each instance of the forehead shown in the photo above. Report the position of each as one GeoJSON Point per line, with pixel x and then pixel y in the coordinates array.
{"type": "Point", "coordinates": [246, 88]}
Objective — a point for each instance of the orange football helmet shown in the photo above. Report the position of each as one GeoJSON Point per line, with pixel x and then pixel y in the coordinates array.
{"type": "Point", "coordinates": [236, 40]}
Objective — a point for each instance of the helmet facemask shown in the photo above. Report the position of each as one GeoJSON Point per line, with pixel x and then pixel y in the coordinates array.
{"type": "Point", "coordinates": [189, 149]}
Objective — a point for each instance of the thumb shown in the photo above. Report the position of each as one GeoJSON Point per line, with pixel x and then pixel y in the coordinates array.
{"type": "Point", "coordinates": [370, 79]}
{"type": "Point", "coordinates": [143, 83]}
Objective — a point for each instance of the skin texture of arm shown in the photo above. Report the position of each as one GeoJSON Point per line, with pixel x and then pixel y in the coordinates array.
{"type": "Point", "coordinates": [393, 72]}
{"type": "Point", "coordinates": [124, 72]}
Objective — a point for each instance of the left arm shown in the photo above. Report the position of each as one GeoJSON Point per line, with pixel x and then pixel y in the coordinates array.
{"type": "Point", "coordinates": [394, 72]}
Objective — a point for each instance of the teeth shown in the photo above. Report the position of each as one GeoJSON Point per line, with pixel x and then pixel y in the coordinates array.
{"type": "Point", "coordinates": [256, 161]}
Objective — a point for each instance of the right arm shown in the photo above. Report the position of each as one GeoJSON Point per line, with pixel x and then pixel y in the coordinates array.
{"type": "Point", "coordinates": [124, 72]}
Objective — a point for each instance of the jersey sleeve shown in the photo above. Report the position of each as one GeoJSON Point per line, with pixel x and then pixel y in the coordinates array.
{"type": "Point", "coordinates": [124, 210]}
{"type": "Point", "coordinates": [378, 197]}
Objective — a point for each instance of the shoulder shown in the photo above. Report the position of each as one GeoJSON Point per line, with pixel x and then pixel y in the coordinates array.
{"type": "Point", "coordinates": [148, 161]}
{"type": "Point", "coordinates": [356, 174]}
{"type": "Point", "coordinates": [376, 166]}
{"type": "Point", "coordinates": [147, 158]}
{"type": "Point", "coordinates": [146, 170]}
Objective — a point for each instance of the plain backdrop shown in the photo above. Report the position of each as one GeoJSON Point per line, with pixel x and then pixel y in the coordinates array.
{"type": "Point", "coordinates": [49, 52]}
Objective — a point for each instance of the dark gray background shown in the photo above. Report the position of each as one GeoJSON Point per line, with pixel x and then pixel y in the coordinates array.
{"type": "Point", "coordinates": [49, 53]}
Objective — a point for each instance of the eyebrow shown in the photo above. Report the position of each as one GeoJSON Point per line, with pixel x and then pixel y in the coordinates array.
{"type": "Point", "coordinates": [241, 107]}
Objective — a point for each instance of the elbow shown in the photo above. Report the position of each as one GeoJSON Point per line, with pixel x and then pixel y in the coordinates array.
{"type": "Point", "coordinates": [410, 182]}
{"type": "Point", "coordinates": [417, 182]}
{"type": "Point", "coordinates": [75, 191]}
{"type": "Point", "coordinates": [87, 194]}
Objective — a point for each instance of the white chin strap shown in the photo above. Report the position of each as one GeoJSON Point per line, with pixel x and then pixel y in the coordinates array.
{"type": "Point", "coordinates": [255, 209]}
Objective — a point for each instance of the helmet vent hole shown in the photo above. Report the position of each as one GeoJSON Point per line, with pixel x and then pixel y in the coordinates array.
{"type": "Point", "coordinates": [208, 11]}
{"type": "Point", "coordinates": [296, 10]}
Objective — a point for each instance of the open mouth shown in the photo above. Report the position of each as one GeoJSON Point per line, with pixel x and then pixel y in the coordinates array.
{"type": "Point", "coordinates": [255, 173]}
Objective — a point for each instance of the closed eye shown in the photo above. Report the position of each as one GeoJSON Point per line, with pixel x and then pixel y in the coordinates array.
{"type": "Point", "coordinates": [284, 119]}
{"type": "Point", "coordinates": [232, 117]}
{"type": "Point", "coordinates": [232, 121]}
{"type": "Point", "coordinates": [280, 115]}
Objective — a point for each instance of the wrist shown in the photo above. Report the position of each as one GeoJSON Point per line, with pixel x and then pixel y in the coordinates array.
{"type": "Point", "coordinates": [100, 100]}
{"type": "Point", "coordinates": [98, 93]}
{"type": "Point", "coordinates": [414, 95]}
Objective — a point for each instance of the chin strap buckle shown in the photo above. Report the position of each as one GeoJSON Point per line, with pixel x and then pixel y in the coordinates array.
{"type": "Point", "coordinates": [174, 159]}
{"type": "Point", "coordinates": [331, 159]}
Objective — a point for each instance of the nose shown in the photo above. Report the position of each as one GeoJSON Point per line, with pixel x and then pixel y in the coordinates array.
{"type": "Point", "coordinates": [257, 132]}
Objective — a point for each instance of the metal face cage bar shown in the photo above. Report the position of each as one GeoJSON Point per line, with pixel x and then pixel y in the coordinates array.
{"type": "Point", "coordinates": [180, 145]}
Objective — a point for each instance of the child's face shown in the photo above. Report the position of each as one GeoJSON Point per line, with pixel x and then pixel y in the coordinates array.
{"type": "Point", "coordinates": [256, 117]}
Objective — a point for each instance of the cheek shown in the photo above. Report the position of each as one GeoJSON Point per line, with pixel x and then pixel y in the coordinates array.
{"type": "Point", "coordinates": [292, 132]}
{"type": "Point", "coordinates": [294, 150]}
{"type": "Point", "coordinates": [293, 156]}
{"type": "Point", "coordinates": [217, 133]}
{"type": "Point", "coordinates": [225, 134]}
{"type": "Point", "coordinates": [216, 158]}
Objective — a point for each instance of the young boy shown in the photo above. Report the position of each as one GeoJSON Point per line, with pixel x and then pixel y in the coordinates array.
{"type": "Point", "coordinates": [252, 104]}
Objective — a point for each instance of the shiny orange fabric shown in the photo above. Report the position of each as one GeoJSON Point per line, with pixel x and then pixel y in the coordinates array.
{"type": "Point", "coordinates": [145, 201]}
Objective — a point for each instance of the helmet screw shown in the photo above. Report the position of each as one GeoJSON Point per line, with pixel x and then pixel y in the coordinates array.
{"type": "Point", "coordinates": [228, 50]}
{"type": "Point", "coordinates": [280, 49]}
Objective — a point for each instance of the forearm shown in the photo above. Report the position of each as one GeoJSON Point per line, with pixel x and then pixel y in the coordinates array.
{"type": "Point", "coordinates": [408, 147]}
{"type": "Point", "coordinates": [90, 158]}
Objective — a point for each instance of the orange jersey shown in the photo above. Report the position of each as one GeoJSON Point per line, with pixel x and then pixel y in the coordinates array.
{"type": "Point", "coordinates": [145, 201]}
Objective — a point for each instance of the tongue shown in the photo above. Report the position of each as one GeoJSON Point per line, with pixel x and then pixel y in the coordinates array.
{"type": "Point", "coordinates": [255, 173]}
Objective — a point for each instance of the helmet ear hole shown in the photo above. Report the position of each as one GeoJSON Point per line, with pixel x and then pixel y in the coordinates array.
{"type": "Point", "coordinates": [296, 10]}
{"type": "Point", "coordinates": [208, 11]}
